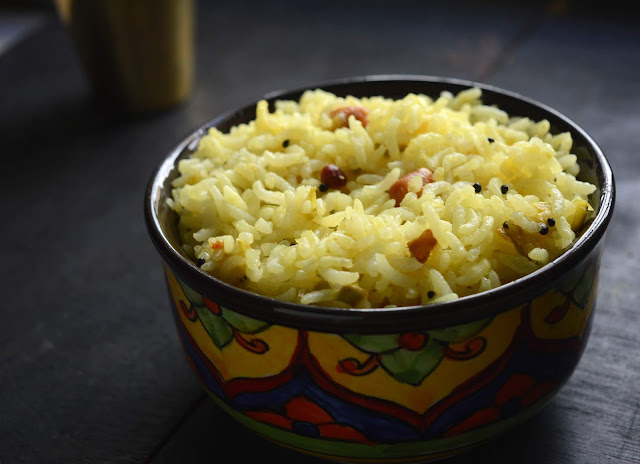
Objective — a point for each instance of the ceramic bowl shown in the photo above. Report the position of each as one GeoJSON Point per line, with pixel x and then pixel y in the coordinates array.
{"type": "Point", "coordinates": [387, 385]}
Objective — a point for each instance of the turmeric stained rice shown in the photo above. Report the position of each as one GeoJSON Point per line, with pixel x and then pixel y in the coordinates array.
{"type": "Point", "coordinates": [374, 202]}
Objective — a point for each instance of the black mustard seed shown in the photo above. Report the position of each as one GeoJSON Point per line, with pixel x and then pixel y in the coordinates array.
{"type": "Point", "coordinates": [477, 187]}
{"type": "Point", "coordinates": [285, 144]}
{"type": "Point", "coordinates": [551, 222]}
{"type": "Point", "coordinates": [490, 139]}
{"type": "Point", "coordinates": [504, 189]}
{"type": "Point", "coordinates": [505, 225]}
{"type": "Point", "coordinates": [544, 230]}
{"type": "Point", "coordinates": [431, 294]}
{"type": "Point", "coordinates": [323, 187]}
{"type": "Point", "coordinates": [200, 262]}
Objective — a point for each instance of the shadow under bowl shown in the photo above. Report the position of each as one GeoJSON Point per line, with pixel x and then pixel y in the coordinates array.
{"type": "Point", "coordinates": [408, 384]}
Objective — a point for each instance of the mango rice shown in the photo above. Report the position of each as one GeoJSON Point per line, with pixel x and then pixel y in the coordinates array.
{"type": "Point", "coordinates": [374, 202]}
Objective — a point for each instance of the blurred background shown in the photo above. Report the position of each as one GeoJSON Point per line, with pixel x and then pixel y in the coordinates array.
{"type": "Point", "coordinates": [465, 39]}
{"type": "Point", "coordinates": [91, 369]}
{"type": "Point", "coordinates": [18, 19]}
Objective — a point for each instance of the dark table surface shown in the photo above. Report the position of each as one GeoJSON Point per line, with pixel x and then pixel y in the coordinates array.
{"type": "Point", "coordinates": [91, 369]}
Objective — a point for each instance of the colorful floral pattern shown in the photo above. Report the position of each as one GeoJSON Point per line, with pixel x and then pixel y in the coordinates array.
{"type": "Point", "coordinates": [222, 324]}
{"type": "Point", "coordinates": [302, 415]}
{"type": "Point", "coordinates": [411, 356]}
{"type": "Point", "coordinates": [411, 391]}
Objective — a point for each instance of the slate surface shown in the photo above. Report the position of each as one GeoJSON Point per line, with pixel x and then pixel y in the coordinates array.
{"type": "Point", "coordinates": [90, 365]}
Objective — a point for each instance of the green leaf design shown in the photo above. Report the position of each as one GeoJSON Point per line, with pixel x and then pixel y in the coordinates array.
{"type": "Point", "coordinates": [459, 333]}
{"type": "Point", "coordinates": [194, 297]}
{"type": "Point", "coordinates": [243, 323]}
{"type": "Point", "coordinates": [571, 281]}
{"type": "Point", "coordinates": [413, 367]}
{"type": "Point", "coordinates": [219, 331]}
{"type": "Point", "coordinates": [583, 289]}
{"type": "Point", "coordinates": [373, 343]}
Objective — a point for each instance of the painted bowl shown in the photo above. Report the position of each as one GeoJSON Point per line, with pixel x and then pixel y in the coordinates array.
{"type": "Point", "coordinates": [407, 384]}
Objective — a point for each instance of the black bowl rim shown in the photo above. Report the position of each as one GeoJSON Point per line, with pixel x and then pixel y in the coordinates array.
{"type": "Point", "coordinates": [379, 320]}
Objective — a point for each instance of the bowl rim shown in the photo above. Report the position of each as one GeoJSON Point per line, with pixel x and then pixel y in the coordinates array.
{"type": "Point", "coordinates": [378, 320]}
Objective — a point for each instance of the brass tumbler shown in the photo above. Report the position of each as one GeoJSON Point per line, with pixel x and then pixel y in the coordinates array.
{"type": "Point", "coordinates": [138, 55]}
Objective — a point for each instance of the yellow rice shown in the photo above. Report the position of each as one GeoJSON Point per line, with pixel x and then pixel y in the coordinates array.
{"type": "Point", "coordinates": [252, 213]}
